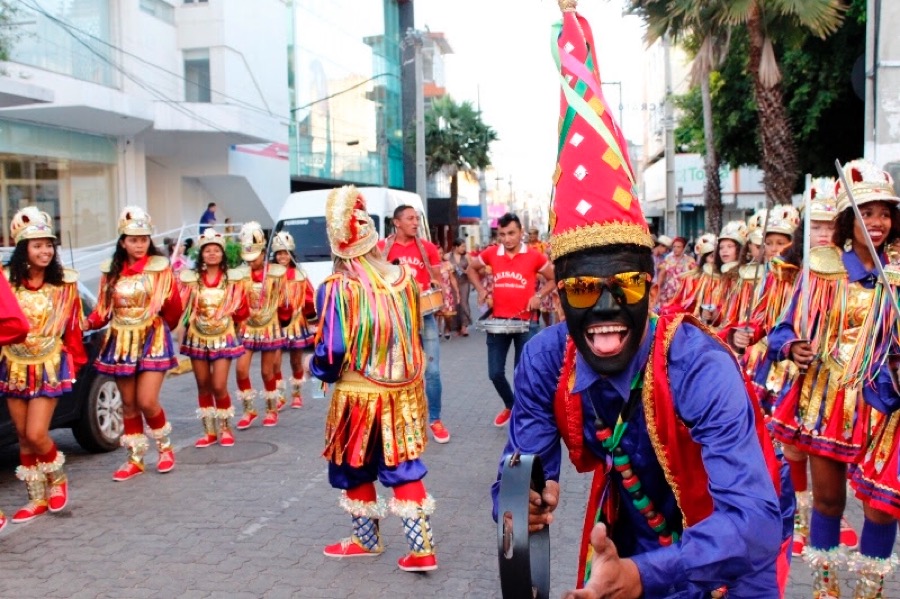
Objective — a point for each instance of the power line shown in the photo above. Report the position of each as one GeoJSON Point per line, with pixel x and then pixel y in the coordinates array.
{"type": "Point", "coordinates": [88, 34]}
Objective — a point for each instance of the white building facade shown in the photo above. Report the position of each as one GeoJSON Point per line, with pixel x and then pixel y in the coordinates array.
{"type": "Point", "coordinates": [165, 104]}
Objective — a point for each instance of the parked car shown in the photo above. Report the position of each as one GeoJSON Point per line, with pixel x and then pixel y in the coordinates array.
{"type": "Point", "coordinates": [93, 409]}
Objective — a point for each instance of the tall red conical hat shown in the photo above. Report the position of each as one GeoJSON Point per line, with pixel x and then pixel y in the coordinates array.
{"type": "Point", "coordinates": [595, 200]}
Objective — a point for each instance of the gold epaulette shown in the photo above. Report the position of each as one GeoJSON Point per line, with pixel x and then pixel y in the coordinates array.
{"type": "Point", "coordinates": [710, 269]}
{"type": "Point", "coordinates": [299, 274]}
{"type": "Point", "coordinates": [275, 270]}
{"type": "Point", "coordinates": [892, 271]}
{"type": "Point", "coordinates": [240, 273]}
{"type": "Point", "coordinates": [826, 261]}
{"type": "Point", "coordinates": [105, 266]}
{"type": "Point", "coordinates": [728, 266]}
{"type": "Point", "coordinates": [157, 264]}
{"type": "Point", "coordinates": [748, 272]}
{"type": "Point", "coordinates": [188, 276]}
{"type": "Point", "coordinates": [70, 276]}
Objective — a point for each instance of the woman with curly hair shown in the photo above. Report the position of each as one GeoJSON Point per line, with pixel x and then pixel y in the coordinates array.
{"type": "Point", "coordinates": [215, 302]}
{"type": "Point", "coordinates": [36, 372]}
{"type": "Point", "coordinates": [139, 301]}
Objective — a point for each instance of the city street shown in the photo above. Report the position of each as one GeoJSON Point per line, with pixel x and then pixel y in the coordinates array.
{"type": "Point", "coordinates": [251, 520]}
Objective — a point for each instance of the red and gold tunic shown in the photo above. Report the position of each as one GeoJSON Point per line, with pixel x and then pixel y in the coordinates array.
{"type": "Point", "coordinates": [141, 307]}
{"type": "Point", "coordinates": [45, 364]}
{"type": "Point", "coordinates": [262, 330]}
{"type": "Point", "coordinates": [212, 308]}
{"type": "Point", "coordinates": [298, 297]}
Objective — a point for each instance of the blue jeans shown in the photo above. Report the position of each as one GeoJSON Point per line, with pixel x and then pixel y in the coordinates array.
{"type": "Point", "coordinates": [498, 348]}
{"type": "Point", "coordinates": [431, 343]}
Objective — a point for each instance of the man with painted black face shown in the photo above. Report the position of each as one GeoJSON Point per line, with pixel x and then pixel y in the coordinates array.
{"type": "Point", "coordinates": [683, 501]}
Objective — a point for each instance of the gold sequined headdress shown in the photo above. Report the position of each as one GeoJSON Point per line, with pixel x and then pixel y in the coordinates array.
{"type": "Point", "coordinates": [210, 235]}
{"type": "Point", "coordinates": [283, 241]}
{"type": "Point", "coordinates": [31, 223]}
{"type": "Point", "coordinates": [134, 220]}
{"type": "Point", "coordinates": [253, 241]}
{"type": "Point", "coordinates": [820, 198]}
{"type": "Point", "coordinates": [868, 183]}
{"type": "Point", "coordinates": [351, 231]}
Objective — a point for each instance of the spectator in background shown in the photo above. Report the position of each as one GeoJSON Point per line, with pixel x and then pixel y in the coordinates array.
{"type": "Point", "coordinates": [229, 228]}
{"type": "Point", "coordinates": [208, 218]}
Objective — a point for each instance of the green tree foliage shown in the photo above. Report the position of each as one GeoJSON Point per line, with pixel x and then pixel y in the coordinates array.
{"type": "Point", "coordinates": [456, 141]}
{"type": "Point", "coordinates": [9, 11]}
{"type": "Point", "coordinates": [825, 113]}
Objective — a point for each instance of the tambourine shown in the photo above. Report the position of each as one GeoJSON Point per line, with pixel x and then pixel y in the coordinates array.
{"type": "Point", "coordinates": [524, 557]}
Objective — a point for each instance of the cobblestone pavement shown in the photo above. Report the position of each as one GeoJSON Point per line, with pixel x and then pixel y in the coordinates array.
{"type": "Point", "coordinates": [251, 520]}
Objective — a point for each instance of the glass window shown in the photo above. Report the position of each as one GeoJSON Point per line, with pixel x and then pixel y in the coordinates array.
{"type": "Point", "coordinates": [71, 38]}
{"type": "Point", "coordinates": [159, 9]}
{"type": "Point", "coordinates": [196, 75]}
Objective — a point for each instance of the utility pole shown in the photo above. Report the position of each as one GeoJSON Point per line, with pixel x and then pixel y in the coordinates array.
{"type": "Point", "coordinates": [669, 123]}
{"type": "Point", "coordinates": [414, 40]}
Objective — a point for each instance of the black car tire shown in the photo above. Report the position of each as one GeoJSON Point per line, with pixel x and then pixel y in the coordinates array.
{"type": "Point", "coordinates": [100, 425]}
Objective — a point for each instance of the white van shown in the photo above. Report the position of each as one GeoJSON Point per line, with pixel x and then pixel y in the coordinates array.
{"type": "Point", "coordinates": [303, 216]}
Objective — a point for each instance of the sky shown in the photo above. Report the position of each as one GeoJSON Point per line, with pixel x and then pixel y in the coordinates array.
{"type": "Point", "coordinates": [501, 59]}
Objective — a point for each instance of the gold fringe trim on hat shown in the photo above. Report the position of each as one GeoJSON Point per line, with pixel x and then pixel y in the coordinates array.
{"type": "Point", "coordinates": [359, 406]}
{"type": "Point", "coordinates": [598, 235]}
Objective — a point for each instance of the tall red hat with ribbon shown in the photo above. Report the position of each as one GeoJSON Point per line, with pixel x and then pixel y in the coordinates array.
{"type": "Point", "coordinates": [594, 201]}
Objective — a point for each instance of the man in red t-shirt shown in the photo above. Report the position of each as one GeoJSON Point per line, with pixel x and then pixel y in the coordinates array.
{"type": "Point", "coordinates": [422, 257]}
{"type": "Point", "coordinates": [515, 267]}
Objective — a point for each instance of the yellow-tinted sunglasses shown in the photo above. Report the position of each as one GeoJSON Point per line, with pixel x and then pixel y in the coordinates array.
{"type": "Point", "coordinates": [583, 292]}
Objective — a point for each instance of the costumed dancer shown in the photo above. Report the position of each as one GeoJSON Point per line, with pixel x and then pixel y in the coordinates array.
{"type": "Point", "coordinates": [672, 266]}
{"type": "Point", "coordinates": [215, 302]}
{"type": "Point", "coordinates": [262, 333]}
{"type": "Point", "coordinates": [36, 372]}
{"type": "Point", "coordinates": [368, 344]}
{"type": "Point", "coordinates": [661, 400]}
{"type": "Point", "coordinates": [748, 337]}
{"type": "Point", "coordinates": [699, 289]}
{"type": "Point", "coordinates": [731, 244]}
{"type": "Point", "coordinates": [299, 333]}
{"type": "Point", "coordinates": [782, 375]}
{"type": "Point", "coordinates": [824, 414]}
{"type": "Point", "coordinates": [139, 300]}
{"type": "Point", "coordinates": [13, 329]}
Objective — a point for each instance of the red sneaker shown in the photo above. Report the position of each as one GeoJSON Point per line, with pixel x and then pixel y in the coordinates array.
{"type": "Point", "coordinates": [227, 439]}
{"type": "Point", "coordinates": [206, 441]}
{"type": "Point", "coordinates": [798, 545]}
{"type": "Point", "coordinates": [503, 417]}
{"type": "Point", "coordinates": [246, 420]}
{"type": "Point", "coordinates": [439, 432]}
{"type": "Point", "coordinates": [417, 563]}
{"type": "Point", "coordinates": [59, 496]}
{"type": "Point", "coordinates": [297, 402]}
{"type": "Point", "coordinates": [30, 511]}
{"type": "Point", "coordinates": [849, 538]}
{"type": "Point", "coordinates": [271, 419]}
{"type": "Point", "coordinates": [166, 461]}
{"type": "Point", "coordinates": [127, 470]}
{"type": "Point", "coordinates": [347, 548]}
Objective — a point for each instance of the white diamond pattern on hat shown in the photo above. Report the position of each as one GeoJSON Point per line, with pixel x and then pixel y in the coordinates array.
{"type": "Point", "coordinates": [568, 47]}
{"type": "Point", "coordinates": [580, 172]}
{"type": "Point", "coordinates": [576, 139]}
{"type": "Point", "coordinates": [583, 207]}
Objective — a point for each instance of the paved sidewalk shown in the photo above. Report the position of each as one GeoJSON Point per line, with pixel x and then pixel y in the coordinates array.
{"type": "Point", "coordinates": [251, 521]}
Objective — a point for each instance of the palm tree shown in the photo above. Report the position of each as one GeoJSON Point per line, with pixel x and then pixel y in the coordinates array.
{"type": "Point", "coordinates": [456, 141]}
{"type": "Point", "coordinates": [766, 21]}
{"type": "Point", "coordinates": [707, 40]}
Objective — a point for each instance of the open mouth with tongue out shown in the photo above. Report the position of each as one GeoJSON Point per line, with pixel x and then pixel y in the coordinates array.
{"type": "Point", "coordinates": [606, 339]}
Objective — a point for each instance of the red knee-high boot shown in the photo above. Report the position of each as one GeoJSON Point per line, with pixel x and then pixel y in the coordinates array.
{"type": "Point", "coordinates": [414, 506]}
{"type": "Point", "coordinates": [365, 510]}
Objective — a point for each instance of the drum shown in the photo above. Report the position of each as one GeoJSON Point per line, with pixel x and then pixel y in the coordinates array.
{"type": "Point", "coordinates": [431, 301]}
{"type": "Point", "coordinates": [504, 326]}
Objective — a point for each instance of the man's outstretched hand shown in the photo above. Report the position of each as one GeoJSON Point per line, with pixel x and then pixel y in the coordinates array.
{"type": "Point", "coordinates": [611, 576]}
{"type": "Point", "coordinates": [540, 507]}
